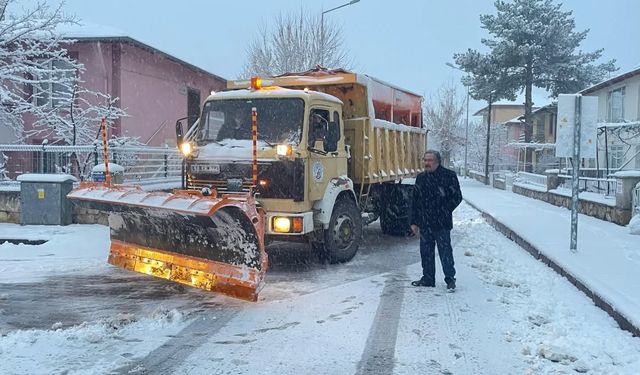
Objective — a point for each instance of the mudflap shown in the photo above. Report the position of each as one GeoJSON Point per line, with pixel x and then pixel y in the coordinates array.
{"type": "Point", "coordinates": [208, 242]}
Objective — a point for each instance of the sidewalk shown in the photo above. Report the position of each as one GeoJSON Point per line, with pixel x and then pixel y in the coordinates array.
{"type": "Point", "coordinates": [606, 265]}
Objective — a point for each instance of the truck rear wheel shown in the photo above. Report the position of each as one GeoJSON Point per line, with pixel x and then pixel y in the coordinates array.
{"type": "Point", "coordinates": [395, 215]}
{"type": "Point", "coordinates": [343, 237]}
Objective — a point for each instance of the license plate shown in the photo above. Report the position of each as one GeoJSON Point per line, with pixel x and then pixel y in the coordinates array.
{"type": "Point", "coordinates": [206, 168]}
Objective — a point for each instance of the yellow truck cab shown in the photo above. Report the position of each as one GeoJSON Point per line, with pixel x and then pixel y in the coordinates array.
{"type": "Point", "coordinates": [335, 150]}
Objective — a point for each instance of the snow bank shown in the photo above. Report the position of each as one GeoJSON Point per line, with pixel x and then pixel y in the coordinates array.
{"type": "Point", "coordinates": [634, 225]}
{"type": "Point", "coordinates": [70, 249]}
{"type": "Point", "coordinates": [58, 350]}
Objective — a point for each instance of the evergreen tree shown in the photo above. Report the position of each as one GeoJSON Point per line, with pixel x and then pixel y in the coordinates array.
{"type": "Point", "coordinates": [532, 43]}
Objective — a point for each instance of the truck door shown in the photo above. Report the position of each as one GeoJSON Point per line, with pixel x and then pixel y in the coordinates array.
{"type": "Point", "coordinates": [327, 155]}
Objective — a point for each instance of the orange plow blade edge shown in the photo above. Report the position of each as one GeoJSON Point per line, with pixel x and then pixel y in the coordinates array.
{"type": "Point", "coordinates": [208, 242]}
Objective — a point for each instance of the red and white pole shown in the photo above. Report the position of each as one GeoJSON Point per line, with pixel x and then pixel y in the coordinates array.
{"type": "Point", "coordinates": [107, 176]}
{"type": "Point", "coordinates": [254, 149]}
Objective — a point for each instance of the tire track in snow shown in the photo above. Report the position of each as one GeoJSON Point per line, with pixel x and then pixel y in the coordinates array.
{"type": "Point", "coordinates": [171, 354]}
{"type": "Point", "coordinates": [378, 356]}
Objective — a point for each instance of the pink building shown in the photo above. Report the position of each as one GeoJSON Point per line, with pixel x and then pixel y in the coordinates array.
{"type": "Point", "coordinates": [154, 87]}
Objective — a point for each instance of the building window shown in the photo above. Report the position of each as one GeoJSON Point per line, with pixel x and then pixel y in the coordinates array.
{"type": "Point", "coordinates": [52, 94]}
{"type": "Point", "coordinates": [616, 156]}
{"type": "Point", "coordinates": [615, 105]}
{"type": "Point", "coordinates": [552, 124]}
{"type": "Point", "coordinates": [637, 156]}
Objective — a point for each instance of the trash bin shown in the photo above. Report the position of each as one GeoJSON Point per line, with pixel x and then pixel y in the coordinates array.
{"type": "Point", "coordinates": [115, 170]}
{"type": "Point", "coordinates": [43, 199]}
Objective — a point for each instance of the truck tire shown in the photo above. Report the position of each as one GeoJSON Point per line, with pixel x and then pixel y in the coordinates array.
{"type": "Point", "coordinates": [343, 237]}
{"type": "Point", "coordinates": [395, 215]}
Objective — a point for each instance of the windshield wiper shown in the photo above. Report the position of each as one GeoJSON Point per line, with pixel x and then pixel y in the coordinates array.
{"type": "Point", "coordinates": [316, 151]}
{"type": "Point", "coordinates": [260, 138]}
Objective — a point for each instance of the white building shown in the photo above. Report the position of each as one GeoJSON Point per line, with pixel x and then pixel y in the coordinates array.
{"type": "Point", "coordinates": [618, 120]}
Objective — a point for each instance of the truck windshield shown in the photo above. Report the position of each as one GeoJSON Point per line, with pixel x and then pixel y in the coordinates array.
{"type": "Point", "coordinates": [279, 120]}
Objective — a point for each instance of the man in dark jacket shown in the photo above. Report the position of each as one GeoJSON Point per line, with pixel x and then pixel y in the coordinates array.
{"type": "Point", "coordinates": [436, 194]}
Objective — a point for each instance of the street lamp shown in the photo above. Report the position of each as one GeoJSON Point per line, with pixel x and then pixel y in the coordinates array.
{"type": "Point", "coordinates": [466, 129]}
{"type": "Point", "coordinates": [322, 27]}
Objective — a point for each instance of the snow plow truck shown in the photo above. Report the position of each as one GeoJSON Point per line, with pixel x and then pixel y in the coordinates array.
{"type": "Point", "coordinates": [308, 157]}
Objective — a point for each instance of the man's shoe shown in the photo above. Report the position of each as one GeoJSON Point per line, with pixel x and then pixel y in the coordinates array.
{"type": "Point", "coordinates": [422, 282]}
{"type": "Point", "coordinates": [451, 285]}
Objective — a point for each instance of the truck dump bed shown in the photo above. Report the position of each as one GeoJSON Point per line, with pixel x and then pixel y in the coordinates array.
{"type": "Point", "coordinates": [383, 123]}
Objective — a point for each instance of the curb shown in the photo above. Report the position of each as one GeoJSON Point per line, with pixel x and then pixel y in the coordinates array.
{"type": "Point", "coordinates": [622, 321]}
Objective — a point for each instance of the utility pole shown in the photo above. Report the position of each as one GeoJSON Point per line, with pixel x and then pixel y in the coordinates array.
{"type": "Point", "coordinates": [466, 129]}
{"type": "Point", "coordinates": [486, 160]}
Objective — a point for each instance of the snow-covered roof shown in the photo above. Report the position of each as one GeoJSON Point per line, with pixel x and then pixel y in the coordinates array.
{"type": "Point", "coordinates": [84, 29]}
{"type": "Point", "coordinates": [515, 120]}
{"type": "Point", "coordinates": [611, 81]}
{"type": "Point", "coordinates": [90, 32]}
{"type": "Point", "coordinates": [498, 104]}
{"type": "Point", "coordinates": [548, 107]}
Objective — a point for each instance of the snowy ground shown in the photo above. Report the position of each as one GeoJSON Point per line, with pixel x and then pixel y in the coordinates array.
{"type": "Point", "coordinates": [63, 310]}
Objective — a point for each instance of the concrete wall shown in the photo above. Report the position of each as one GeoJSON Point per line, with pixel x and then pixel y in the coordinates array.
{"type": "Point", "coordinates": [9, 206]}
{"type": "Point", "coordinates": [594, 209]}
{"type": "Point", "coordinates": [10, 211]}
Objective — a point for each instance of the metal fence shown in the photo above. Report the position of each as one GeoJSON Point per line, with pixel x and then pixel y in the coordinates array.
{"type": "Point", "coordinates": [142, 165]}
{"type": "Point", "coordinates": [604, 186]}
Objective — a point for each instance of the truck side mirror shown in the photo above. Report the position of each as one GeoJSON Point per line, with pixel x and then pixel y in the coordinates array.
{"type": "Point", "coordinates": [333, 134]}
{"type": "Point", "coordinates": [179, 132]}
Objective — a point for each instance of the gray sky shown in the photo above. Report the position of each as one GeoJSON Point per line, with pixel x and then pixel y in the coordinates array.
{"type": "Point", "coordinates": [405, 42]}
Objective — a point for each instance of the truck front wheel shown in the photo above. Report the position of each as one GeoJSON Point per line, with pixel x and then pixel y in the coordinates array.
{"type": "Point", "coordinates": [343, 237]}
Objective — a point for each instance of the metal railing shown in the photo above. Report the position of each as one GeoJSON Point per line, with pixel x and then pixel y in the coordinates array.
{"type": "Point", "coordinates": [142, 165]}
{"type": "Point", "coordinates": [604, 186]}
{"type": "Point", "coordinates": [532, 179]}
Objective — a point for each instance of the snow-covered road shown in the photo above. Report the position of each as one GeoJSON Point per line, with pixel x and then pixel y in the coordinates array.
{"type": "Point", "coordinates": [63, 310]}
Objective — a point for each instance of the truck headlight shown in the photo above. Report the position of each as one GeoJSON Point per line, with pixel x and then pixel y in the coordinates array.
{"type": "Point", "coordinates": [284, 150]}
{"type": "Point", "coordinates": [186, 148]}
{"type": "Point", "coordinates": [283, 224]}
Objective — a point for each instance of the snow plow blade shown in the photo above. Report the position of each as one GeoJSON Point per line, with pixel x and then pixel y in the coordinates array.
{"type": "Point", "coordinates": [208, 242]}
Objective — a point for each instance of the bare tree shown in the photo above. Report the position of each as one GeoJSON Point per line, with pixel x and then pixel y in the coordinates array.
{"type": "Point", "coordinates": [295, 42]}
{"type": "Point", "coordinates": [498, 158]}
{"type": "Point", "coordinates": [444, 118]}
{"type": "Point", "coordinates": [79, 121]}
{"type": "Point", "coordinates": [38, 77]}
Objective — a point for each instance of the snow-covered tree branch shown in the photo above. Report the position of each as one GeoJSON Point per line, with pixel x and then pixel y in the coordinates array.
{"type": "Point", "coordinates": [39, 77]}
{"type": "Point", "coordinates": [295, 42]}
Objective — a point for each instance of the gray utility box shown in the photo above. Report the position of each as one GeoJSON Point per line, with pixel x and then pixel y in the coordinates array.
{"type": "Point", "coordinates": [43, 199]}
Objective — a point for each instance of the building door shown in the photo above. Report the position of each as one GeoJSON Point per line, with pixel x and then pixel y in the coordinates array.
{"type": "Point", "coordinates": [193, 106]}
